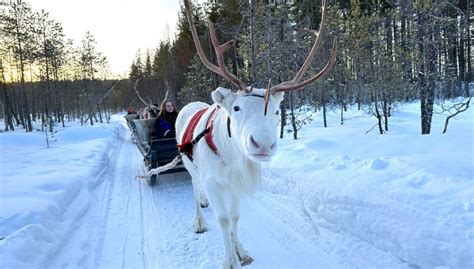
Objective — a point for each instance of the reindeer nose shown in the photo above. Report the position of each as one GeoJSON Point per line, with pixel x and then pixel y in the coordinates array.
{"type": "Point", "coordinates": [273, 145]}
{"type": "Point", "coordinates": [253, 142]}
{"type": "Point", "coordinates": [263, 144]}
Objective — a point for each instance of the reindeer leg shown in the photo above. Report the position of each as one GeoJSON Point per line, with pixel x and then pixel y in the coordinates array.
{"type": "Point", "coordinates": [216, 196]}
{"type": "Point", "coordinates": [200, 225]}
{"type": "Point", "coordinates": [203, 198]}
{"type": "Point", "coordinates": [199, 194]}
{"type": "Point", "coordinates": [242, 254]}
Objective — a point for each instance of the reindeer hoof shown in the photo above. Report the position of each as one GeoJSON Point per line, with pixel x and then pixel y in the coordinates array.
{"type": "Point", "coordinates": [199, 226]}
{"type": "Point", "coordinates": [201, 231]}
{"type": "Point", "coordinates": [246, 260]}
{"type": "Point", "coordinates": [231, 264]}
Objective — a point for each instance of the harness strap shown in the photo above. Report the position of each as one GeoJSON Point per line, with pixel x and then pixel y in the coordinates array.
{"type": "Point", "coordinates": [209, 125]}
{"type": "Point", "coordinates": [186, 146]}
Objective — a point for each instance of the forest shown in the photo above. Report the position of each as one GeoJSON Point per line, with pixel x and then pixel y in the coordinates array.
{"type": "Point", "coordinates": [388, 53]}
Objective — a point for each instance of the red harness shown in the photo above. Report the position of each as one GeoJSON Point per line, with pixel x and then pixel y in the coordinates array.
{"type": "Point", "coordinates": [188, 142]}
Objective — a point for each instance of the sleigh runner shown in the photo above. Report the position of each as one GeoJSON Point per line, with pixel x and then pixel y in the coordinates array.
{"type": "Point", "coordinates": [161, 156]}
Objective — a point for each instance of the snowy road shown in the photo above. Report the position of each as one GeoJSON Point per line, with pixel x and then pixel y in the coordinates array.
{"type": "Point", "coordinates": [130, 225]}
{"type": "Point", "coordinates": [335, 198]}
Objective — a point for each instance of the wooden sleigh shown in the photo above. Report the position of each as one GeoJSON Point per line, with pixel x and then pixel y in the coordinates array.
{"type": "Point", "coordinates": [161, 156]}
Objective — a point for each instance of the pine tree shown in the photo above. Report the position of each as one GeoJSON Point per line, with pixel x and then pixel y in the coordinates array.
{"type": "Point", "coordinates": [198, 85]}
{"type": "Point", "coordinates": [17, 32]}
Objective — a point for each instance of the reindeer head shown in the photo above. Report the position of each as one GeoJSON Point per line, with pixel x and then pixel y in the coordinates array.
{"type": "Point", "coordinates": [255, 112]}
{"type": "Point", "coordinates": [150, 108]}
{"type": "Point", "coordinates": [254, 131]}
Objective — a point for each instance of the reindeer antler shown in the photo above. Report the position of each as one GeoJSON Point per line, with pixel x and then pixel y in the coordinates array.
{"type": "Point", "coordinates": [296, 82]}
{"type": "Point", "coordinates": [139, 96]}
{"type": "Point", "coordinates": [219, 49]}
{"type": "Point", "coordinates": [167, 90]}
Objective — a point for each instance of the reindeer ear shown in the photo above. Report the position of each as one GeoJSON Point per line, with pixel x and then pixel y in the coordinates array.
{"type": "Point", "coordinates": [222, 96]}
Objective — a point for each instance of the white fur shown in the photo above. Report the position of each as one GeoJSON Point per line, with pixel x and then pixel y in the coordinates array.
{"type": "Point", "coordinates": [236, 169]}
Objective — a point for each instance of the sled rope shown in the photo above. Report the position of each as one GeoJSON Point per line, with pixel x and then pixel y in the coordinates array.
{"type": "Point", "coordinates": [162, 168]}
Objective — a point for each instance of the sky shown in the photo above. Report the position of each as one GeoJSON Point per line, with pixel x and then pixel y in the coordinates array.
{"type": "Point", "coordinates": [120, 27]}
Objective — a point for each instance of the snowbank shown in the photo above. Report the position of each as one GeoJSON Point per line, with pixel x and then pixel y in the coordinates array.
{"type": "Point", "coordinates": [411, 195]}
{"type": "Point", "coordinates": [44, 190]}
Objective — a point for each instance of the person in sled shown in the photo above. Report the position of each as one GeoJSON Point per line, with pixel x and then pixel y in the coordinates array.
{"type": "Point", "coordinates": [131, 111]}
{"type": "Point", "coordinates": [164, 124]}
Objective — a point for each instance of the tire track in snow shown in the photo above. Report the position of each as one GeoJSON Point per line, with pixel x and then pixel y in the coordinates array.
{"type": "Point", "coordinates": [141, 220]}
{"type": "Point", "coordinates": [154, 232]}
{"type": "Point", "coordinates": [74, 249]}
{"type": "Point", "coordinates": [115, 232]}
{"type": "Point", "coordinates": [297, 240]}
{"type": "Point", "coordinates": [332, 237]}
{"type": "Point", "coordinates": [128, 194]}
{"type": "Point", "coordinates": [173, 197]}
{"type": "Point", "coordinates": [127, 240]}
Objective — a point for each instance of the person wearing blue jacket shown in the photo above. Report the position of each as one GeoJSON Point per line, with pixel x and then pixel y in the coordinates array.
{"type": "Point", "coordinates": [164, 124]}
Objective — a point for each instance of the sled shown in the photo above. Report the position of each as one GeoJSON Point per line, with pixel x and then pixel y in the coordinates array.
{"type": "Point", "coordinates": [129, 119]}
{"type": "Point", "coordinates": [156, 152]}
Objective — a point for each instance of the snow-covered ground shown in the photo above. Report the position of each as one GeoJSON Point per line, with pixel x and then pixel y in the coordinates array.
{"type": "Point", "coordinates": [335, 198]}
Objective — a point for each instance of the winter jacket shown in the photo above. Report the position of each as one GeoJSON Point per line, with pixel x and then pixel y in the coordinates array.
{"type": "Point", "coordinates": [164, 128]}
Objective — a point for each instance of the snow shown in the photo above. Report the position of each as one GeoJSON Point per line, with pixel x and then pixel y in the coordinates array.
{"type": "Point", "coordinates": [41, 188]}
{"type": "Point", "coordinates": [335, 198]}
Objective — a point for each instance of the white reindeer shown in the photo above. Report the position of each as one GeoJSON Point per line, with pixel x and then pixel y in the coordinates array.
{"type": "Point", "coordinates": [241, 133]}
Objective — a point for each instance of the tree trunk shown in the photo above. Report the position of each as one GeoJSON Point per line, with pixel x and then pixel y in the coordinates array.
{"type": "Point", "coordinates": [377, 112]}
{"type": "Point", "coordinates": [425, 93]}
{"type": "Point", "coordinates": [62, 119]}
{"type": "Point", "coordinates": [6, 106]}
{"type": "Point", "coordinates": [15, 116]}
{"type": "Point", "coordinates": [470, 74]}
{"type": "Point", "coordinates": [385, 109]}
{"type": "Point", "coordinates": [452, 64]}
{"type": "Point", "coordinates": [293, 117]}
{"type": "Point", "coordinates": [342, 114]}
{"type": "Point", "coordinates": [463, 29]}
{"type": "Point", "coordinates": [323, 101]}
{"type": "Point", "coordinates": [43, 120]}
{"type": "Point", "coordinates": [100, 115]}
{"type": "Point", "coordinates": [283, 118]}
{"type": "Point", "coordinates": [106, 113]}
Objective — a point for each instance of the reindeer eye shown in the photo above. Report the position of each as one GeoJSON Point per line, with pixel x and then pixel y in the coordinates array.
{"type": "Point", "coordinates": [277, 112]}
{"type": "Point", "coordinates": [236, 108]}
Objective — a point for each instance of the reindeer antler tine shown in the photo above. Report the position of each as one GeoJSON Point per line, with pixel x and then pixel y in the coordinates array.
{"type": "Point", "coordinates": [221, 69]}
{"type": "Point", "coordinates": [167, 89]}
{"type": "Point", "coordinates": [135, 87]}
{"type": "Point", "coordinates": [296, 82]}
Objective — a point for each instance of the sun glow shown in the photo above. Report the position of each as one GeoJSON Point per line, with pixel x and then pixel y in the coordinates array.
{"type": "Point", "coordinates": [120, 27]}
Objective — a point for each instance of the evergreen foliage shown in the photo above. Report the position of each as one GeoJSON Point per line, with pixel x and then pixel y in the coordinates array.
{"type": "Point", "coordinates": [389, 52]}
